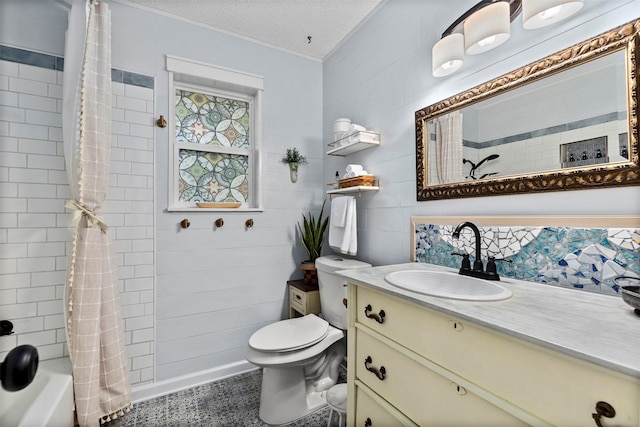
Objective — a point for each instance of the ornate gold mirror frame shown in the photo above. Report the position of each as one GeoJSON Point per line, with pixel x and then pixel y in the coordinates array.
{"type": "Point", "coordinates": [626, 37]}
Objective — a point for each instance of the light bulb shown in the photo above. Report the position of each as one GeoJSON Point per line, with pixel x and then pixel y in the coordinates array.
{"type": "Point", "coordinates": [550, 14]}
{"type": "Point", "coordinates": [451, 64]}
{"type": "Point", "coordinates": [540, 13]}
{"type": "Point", "coordinates": [487, 41]}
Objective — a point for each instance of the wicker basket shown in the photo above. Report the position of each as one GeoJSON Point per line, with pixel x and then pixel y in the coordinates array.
{"type": "Point", "coordinates": [364, 180]}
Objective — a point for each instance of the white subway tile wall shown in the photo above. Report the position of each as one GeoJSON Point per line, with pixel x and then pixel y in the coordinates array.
{"type": "Point", "coordinates": [34, 225]}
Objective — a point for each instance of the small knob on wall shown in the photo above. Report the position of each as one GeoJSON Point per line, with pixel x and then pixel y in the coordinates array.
{"type": "Point", "coordinates": [161, 122]}
{"type": "Point", "coordinates": [219, 222]}
{"type": "Point", "coordinates": [249, 223]}
{"type": "Point", "coordinates": [185, 223]}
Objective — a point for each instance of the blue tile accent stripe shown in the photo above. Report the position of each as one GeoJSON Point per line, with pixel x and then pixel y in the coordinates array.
{"type": "Point", "coordinates": [52, 62]}
{"type": "Point", "coordinates": [27, 57]}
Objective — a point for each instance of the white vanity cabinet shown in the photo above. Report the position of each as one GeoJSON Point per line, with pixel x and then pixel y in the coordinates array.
{"type": "Point", "coordinates": [413, 364]}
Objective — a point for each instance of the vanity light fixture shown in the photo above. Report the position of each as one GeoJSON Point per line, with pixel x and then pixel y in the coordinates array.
{"type": "Point", "coordinates": [540, 13]}
{"type": "Point", "coordinates": [448, 55]}
{"type": "Point", "coordinates": [487, 28]}
{"type": "Point", "coordinates": [488, 24]}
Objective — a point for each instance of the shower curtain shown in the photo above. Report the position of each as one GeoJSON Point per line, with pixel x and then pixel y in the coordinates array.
{"type": "Point", "coordinates": [448, 148]}
{"type": "Point", "coordinates": [95, 334]}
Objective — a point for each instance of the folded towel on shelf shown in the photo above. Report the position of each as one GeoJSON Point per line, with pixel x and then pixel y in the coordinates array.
{"type": "Point", "coordinates": [354, 168]}
{"type": "Point", "coordinates": [355, 174]}
{"type": "Point", "coordinates": [343, 238]}
{"type": "Point", "coordinates": [355, 128]}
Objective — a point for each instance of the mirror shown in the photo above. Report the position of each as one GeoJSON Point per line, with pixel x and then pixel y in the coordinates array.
{"type": "Point", "coordinates": [566, 122]}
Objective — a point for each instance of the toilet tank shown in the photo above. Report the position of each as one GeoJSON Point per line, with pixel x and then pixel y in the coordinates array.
{"type": "Point", "coordinates": [333, 288]}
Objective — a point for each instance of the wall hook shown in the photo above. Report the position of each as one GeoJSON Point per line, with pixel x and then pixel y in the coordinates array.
{"type": "Point", "coordinates": [249, 223]}
{"type": "Point", "coordinates": [185, 223]}
{"type": "Point", "coordinates": [161, 122]}
{"type": "Point", "coordinates": [219, 222]}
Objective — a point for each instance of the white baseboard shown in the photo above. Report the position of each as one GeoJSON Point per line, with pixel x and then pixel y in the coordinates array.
{"type": "Point", "coordinates": [161, 388]}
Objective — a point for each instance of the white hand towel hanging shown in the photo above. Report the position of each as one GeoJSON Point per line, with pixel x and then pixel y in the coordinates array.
{"type": "Point", "coordinates": [343, 235]}
{"type": "Point", "coordinates": [338, 213]}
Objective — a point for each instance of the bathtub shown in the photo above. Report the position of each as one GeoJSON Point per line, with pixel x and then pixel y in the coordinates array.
{"type": "Point", "coordinates": [46, 402]}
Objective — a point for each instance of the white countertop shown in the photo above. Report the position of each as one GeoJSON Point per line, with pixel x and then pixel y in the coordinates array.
{"type": "Point", "coordinates": [598, 328]}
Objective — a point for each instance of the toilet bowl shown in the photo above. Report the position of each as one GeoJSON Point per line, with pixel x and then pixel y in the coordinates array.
{"type": "Point", "coordinates": [301, 357]}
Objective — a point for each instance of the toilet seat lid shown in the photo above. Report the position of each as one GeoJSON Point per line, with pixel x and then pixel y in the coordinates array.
{"type": "Point", "coordinates": [291, 334]}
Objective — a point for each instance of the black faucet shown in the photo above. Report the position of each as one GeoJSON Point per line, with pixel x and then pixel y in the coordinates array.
{"type": "Point", "coordinates": [478, 268]}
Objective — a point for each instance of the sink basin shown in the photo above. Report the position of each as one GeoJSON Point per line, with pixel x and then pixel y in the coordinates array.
{"type": "Point", "coordinates": [447, 285]}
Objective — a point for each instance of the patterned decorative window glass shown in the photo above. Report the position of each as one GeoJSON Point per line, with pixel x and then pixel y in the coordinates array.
{"type": "Point", "coordinates": [213, 133]}
{"type": "Point", "coordinates": [213, 177]}
{"type": "Point", "coordinates": [209, 119]}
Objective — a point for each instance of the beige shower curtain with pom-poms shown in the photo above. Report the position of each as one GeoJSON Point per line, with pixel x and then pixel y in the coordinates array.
{"type": "Point", "coordinates": [95, 334]}
{"type": "Point", "coordinates": [448, 148]}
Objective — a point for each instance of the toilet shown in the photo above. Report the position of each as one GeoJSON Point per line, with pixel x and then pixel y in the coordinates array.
{"type": "Point", "coordinates": [300, 357]}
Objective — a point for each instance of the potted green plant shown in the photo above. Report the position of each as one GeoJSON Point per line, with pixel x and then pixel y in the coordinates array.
{"type": "Point", "coordinates": [311, 233]}
{"type": "Point", "coordinates": [293, 158]}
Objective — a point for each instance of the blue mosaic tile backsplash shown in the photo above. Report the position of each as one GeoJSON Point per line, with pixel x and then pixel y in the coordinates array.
{"type": "Point", "coordinates": [578, 258]}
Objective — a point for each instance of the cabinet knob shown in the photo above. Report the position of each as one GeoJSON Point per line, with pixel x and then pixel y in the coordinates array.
{"type": "Point", "coordinates": [459, 389]}
{"type": "Point", "coordinates": [219, 222]}
{"type": "Point", "coordinates": [367, 422]}
{"type": "Point", "coordinates": [185, 223]}
{"type": "Point", "coordinates": [603, 409]}
{"type": "Point", "coordinates": [456, 325]}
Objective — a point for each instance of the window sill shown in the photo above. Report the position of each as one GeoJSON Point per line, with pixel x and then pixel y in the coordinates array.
{"type": "Point", "coordinates": [196, 209]}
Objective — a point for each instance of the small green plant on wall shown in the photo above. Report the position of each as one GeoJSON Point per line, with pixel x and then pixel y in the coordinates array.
{"type": "Point", "coordinates": [293, 158]}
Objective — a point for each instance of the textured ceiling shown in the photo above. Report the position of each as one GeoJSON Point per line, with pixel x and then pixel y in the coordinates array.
{"type": "Point", "coordinates": [286, 24]}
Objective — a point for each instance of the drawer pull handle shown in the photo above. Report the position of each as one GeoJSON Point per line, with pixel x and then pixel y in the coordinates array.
{"type": "Point", "coordinates": [298, 297]}
{"type": "Point", "coordinates": [603, 409]}
{"type": "Point", "coordinates": [380, 373]}
{"type": "Point", "coordinates": [377, 317]}
{"type": "Point", "coordinates": [367, 422]}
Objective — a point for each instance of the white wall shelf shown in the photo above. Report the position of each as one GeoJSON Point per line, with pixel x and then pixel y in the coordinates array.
{"type": "Point", "coordinates": [356, 189]}
{"type": "Point", "coordinates": [350, 144]}
{"type": "Point", "coordinates": [353, 143]}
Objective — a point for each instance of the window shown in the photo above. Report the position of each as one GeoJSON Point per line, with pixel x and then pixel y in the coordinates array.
{"type": "Point", "coordinates": [214, 136]}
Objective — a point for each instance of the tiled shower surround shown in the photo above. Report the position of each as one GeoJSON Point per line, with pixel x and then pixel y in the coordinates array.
{"type": "Point", "coordinates": [34, 224]}
{"type": "Point", "coordinates": [580, 258]}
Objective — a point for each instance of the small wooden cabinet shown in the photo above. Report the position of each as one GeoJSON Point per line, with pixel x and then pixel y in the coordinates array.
{"type": "Point", "coordinates": [303, 299]}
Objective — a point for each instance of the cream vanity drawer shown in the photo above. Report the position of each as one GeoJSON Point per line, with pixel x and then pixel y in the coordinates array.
{"type": "Point", "coordinates": [422, 395]}
{"type": "Point", "coordinates": [371, 413]}
{"type": "Point", "coordinates": [527, 375]}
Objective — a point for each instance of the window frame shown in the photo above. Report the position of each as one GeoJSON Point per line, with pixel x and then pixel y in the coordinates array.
{"type": "Point", "coordinates": [203, 78]}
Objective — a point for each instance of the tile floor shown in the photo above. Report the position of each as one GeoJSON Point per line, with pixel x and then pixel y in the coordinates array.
{"type": "Point", "coordinates": [232, 401]}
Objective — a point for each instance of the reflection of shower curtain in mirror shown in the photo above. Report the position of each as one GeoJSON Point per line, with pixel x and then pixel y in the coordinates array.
{"type": "Point", "coordinates": [448, 147]}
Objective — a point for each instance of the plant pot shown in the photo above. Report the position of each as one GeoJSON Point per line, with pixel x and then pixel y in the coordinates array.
{"type": "Point", "coordinates": [293, 171]}
{"type": "Point", "coordinates": [310, 274]}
